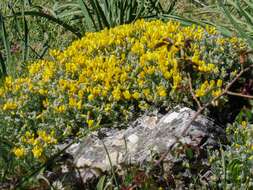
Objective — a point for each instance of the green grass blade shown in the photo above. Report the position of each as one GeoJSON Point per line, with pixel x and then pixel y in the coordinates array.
{"type": "Point", "coordinates": [97, 15]}
{"type": "Point", "coordinates": [3, 66]}
{"type": "Point", "coordinates": [108, 7]}
{"type": "Point", "coordinates": [26, 39]}
{"type": "Point", "coordinates": [18, 28]}
{"type": "Point", "coordinates": [187, 22]}
{"type": "Point", "coordinates": [139, 11]}
{"type": "Point", "coordinates": [66, 6]}
{"type": "Point", "coordinates": [69, 14]}
{"type": "Point", "coordinates": [101, 14]}
{"type": "Point", "coordinates": [247, 17]}
{"type": "Point", "coordinates": [51, 19]}
{"type": "Point", "coordinates": [235, 24]}
{"type": "Point", "coordinates": [6, 43]}
{"type": "Point", "coordinates": [135, 11]}
{"type": "Point", "coordinates": [249, 4]}
{"type": "Point", "coordinates": [45, 49]}
{"type": "Point", "coordinates": [101, 183]}
{"type": "Point", "coordinates": [114, 13]}
{"type": "Point", "coordinates": [87, 15]}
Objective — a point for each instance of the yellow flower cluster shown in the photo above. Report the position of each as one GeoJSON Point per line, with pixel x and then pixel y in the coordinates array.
{"type": "Point", "coordinates": [202, 66]}
{"type": "Point", "coordinates": [206, 87]}
{"type": "Point", "coordinates": [19, 151]}
{"type": "Point", "coordinates": [37, 144]}
{"type": "Point", "coordinates": [109, 75]}
{"type": "Point", "coordinates": [10, 106]}
{"type": "Point", "coordinates": [244, 131]}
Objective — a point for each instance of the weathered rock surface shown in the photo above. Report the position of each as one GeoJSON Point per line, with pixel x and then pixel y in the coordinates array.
{"type": "Point", "coordinates": [148, 136]}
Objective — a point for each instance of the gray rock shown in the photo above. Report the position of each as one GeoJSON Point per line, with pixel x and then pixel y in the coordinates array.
{"type": "Point", "coordinates": [147, 136]}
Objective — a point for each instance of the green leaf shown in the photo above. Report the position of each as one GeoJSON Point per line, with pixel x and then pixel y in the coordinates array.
{"type": "Point", "coordinates": [189, 153]}
{"type": "Point", "coordinates": [3, 67]}
{"type": "Point", "coordinates": [6, 43]}
{"type": "Point", "coordinates": [246, 15]}
{"type": "Point", "coordinates": [49, 18]}
{"type": "Point", "coordinates": [26, 39]}
{"type": "Point", "coordinates": [101, 182]}
{"type": "Point", "coordinates": [87, 15]}
{"type": "Point", "coordinates": [101, 14]}
{"type": "Point", "coordinates": [241, 32]}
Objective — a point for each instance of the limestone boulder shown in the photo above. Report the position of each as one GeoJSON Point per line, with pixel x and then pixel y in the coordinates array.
{"type": "Point", "coordinates": [146, 140]}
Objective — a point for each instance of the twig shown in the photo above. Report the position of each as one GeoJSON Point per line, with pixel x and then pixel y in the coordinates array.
{"type": "Point", "coordinates": [110, 162]}
{"type": "Point", "coordinates": [239, 94]}
{"type": "Point", "coordinates": [192, 93]}
{"type": "Point", "coordinates": [225, 91]}
{"type": "Point", "coordinates": [163, 156]}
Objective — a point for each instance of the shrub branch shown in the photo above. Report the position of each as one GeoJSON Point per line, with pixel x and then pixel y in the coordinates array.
{"type": "Point", "coordinates": [192, 92]}
{"type": "Point", "coordinates": [239, 94]}
{"type": "Point", "coordinates": [224, 92]}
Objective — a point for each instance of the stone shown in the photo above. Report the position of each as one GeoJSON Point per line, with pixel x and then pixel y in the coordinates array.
{"type": "Point", "coordinates": [149, 135]}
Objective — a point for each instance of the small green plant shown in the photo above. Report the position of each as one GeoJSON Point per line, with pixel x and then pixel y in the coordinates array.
{"type": "Point", "coordinates": [232, 164]}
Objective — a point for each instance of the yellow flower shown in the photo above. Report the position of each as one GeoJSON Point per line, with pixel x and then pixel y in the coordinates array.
{"type": "Point", "coordinates": [219, 83]}
{"type": "Point", "coordinates": [42, 92]}
{"type": "Point", "coordinates": [19, 152]}
{"type": "Point", "coordinates": [211, 30]}
{"type": "Point", "coordinates": [136, 95]}
{"type": "Point", "coordinates": [161, 91]}
{"type": "Point", "coordinates": [137, 48]}
{"type": "Point", "coordinates": [61, 108]}
{"type": "Point", "coordinates": [90, 123]}
{"type": "Point", "coordinates": [47, 138]}
{"type": "Point", "coordinates": [79, 105]}
{"type": "Point", "coordinates": [72, 103]}
{"type": "Point", "coordinates": [107, 108]}
{"type": "Point", "coordinates": [127, 95]}
{"type": "Point", "coordinates": [116, 93]}
{"type": "Point", "coordinates": [10, 106]}
{"type": "Point", "coordinates": [212, 83]}
{"type": "Point", "coordinates": [143, 106]}
{"type": "Point", "coordinates": [45, 103]}
{"type": "Point", "coordinates": [90, 97]}
{"type": "Point", "coordinates": [244, 124]}
{"type": "Point", "coordinates": [37, 151]}
{"type": "Point", "coordinates": [216, 93]}
{"type": "Point", "coordinates": [176, 80]}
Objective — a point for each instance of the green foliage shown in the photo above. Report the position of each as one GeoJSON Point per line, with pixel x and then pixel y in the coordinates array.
{"type": "Point", "coordinates": [229, 17]}
{"type": "Point", "coordinates": [232, 164]}
{"type": "Point", "coordinates": [49, 101]}
{"type": "Point", "coordinates": [96, 15]}
{"type": "Point", "coordinates": [26, 33]}
{"type": "Point", "coordinates": [240, 14]}
{"type": "Point", "coordinates": [110, 77]}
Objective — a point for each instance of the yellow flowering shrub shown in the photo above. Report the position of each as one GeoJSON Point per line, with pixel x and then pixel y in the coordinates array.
{"type": "Point", "coordinates": [112, 76]}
